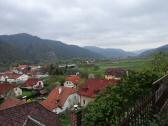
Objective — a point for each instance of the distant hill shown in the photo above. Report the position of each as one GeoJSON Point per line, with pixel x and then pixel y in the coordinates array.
{"type": "Point", "coordinates": [28, 48]}
{"type": "Point", "coordinates": [153, 51]}
{"type": "Point", "coordinates": [138, 52]}
{"type": "Point", "coordinates": [110, 52]}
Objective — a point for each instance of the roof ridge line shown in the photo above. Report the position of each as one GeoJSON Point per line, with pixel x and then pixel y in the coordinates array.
{"type": "Point", "coordinates": [35, 121]}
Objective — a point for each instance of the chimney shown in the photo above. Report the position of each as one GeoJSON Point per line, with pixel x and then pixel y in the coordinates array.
{"type": "Point", "coordinates": [127, 73]}
{"type": "Point", "coordinates": [59, 90]}
{"type": "Point", "coordinates": [76, 116]}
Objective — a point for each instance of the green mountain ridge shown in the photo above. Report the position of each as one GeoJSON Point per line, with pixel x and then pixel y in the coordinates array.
{"type": "Point", "coordinates": [33, 49]}
{"type": "Point", "coordinates": [154, 51]}
{"type": "Point", "coordinates": [23, 47]}
{"type": "Point", "coordinates": [110, 52]}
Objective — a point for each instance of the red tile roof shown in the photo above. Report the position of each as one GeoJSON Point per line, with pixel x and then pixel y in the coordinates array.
{"type": "Point", "coordinates": [31, 122]}
{"type": "Point", "coordinates": [18, 115]}
{"type": "Point", "coordinates": [11, 102]}
{"type": "Point", "coordinates": [94, 86]}
{"type": "Point", "coordinates": [4, 87]}
{"type": "Point", "coordinates": [118, 72]}
{"type": "Point", "coordinates": [30, 82]}
{"type": "Point", "coordinates": [56, 99]}
{"type": "Point", "coordinates": [31, 72]}
{"type": "Point", "coordinates": [11, 75]}
{"type": "Point", "coordinates": [8, 72]}
{"type": "Point", "coordinates": [1, 74]}
{"type": "Point", "coordinates": [21, 67]}
{"type": "Point", "coordinates": [74, 79]}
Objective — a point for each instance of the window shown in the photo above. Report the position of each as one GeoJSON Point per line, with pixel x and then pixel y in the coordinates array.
{"type": "Point", "coordinates": [40, 83]}
{"type": "Point", "coordinates": [84, 101]}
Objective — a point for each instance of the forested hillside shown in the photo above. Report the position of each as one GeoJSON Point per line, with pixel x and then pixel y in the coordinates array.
{"type": "Point", "coordinates": [27, 48]}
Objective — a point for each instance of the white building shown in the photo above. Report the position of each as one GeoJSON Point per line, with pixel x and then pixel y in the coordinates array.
{"type": "Point", "coordinates": [22, 78]}
{"type": "Point", "coordinates": [14, 78]}
{"type": "Point", "coordinates": [69, 84]}
{"type": "Point", "coordinates": [33, 83]}
{"type": "Point", "coordinates": [60, 99]}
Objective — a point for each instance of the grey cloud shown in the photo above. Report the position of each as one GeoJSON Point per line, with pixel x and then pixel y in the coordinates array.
{"type": "Point", "coordinates": [128, 24]}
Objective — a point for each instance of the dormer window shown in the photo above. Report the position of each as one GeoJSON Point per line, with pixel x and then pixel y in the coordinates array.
{"type": "Point", "coordinates": [84, 101]}
{"type": "Point", "coordinates": [58, 100]}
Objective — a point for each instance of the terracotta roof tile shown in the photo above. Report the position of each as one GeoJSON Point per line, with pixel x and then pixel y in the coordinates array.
{"type": "Point", "coordinates": [16, 116]}
{"type": "Point", "coordinates": [11, 102]}
{"type": "Point", "coordinates": [11, 75]}
{"type": "Point", "coordinates": [21, 67]}
{"type": "Point", "coordinates": [30, 82]}
{"type": "Point", "coordinates": [74, 79]}
{"type": "Point", "coordinates": [94, 86]}
{"type": "Point", "coordinates": [56, 99]}
{"type": "Point", "coordinates": [4, 87]}
{"type": "Point", "coordinates": [118, 72]}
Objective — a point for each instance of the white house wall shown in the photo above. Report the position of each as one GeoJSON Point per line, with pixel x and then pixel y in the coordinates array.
{"type": "Point", "coordinates": [70, 102]}
{"type": "Point", "coordinates": [22, 78]}
{"type": "Point", "coordinates": [85, 100]}
{"type": "Point", "coordinates": [17, 91]}
{"type": "Point", "coordinates": [69, 84]}
{"type": "Point", "coordinates": [2, 78]}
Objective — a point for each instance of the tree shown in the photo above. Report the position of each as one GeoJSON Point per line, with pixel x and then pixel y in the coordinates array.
{"type": "Point", "coordinates": [115, 100]}
{"type": "Point", "coordinates": [55, 70]}
{"type": "Point", "coordinates": [160, 63]}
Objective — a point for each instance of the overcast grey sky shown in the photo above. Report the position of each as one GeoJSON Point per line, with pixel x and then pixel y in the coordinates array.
{"type": "Point", "coordinates": [125, 24]}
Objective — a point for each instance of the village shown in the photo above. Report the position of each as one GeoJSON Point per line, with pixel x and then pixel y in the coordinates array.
{"type": "Point", "coordinates": [83, 63]}
{"type": "Point", "coordinates": [26, 92]}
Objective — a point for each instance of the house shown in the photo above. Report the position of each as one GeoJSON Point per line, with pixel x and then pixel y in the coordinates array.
{"type": "Point", "coordinates": [28, 114]}
{"type": "Point", "coordinates": [22, 78]}
{"type": "Point", "coordinates": [72, 81]}
{"type": "Point", "coordinates": [71, 72]}
{"type": "Point", "coordinates": [33, 83]}
{"type": "Point", "coordinates": [69, 84]}
{"type": "Point", "coordinates": [21, 69]}
{"type": "Point", "coordinates": [9, 76]}
{"type": "Point", "coordinates": [60, 99]}
{"type": "Point", "coordinates": [92, 88]}
{"type": "Point", "coordinates": [69, 66]}
{"type": "Point", "coordinates": [12, 77]}
{"type": "Point", "coordinates": [40, 75]}
{"type": "Point", "coordinates": [91, 76]}
{"type": "Point", "coordinates": [115, 73]}
{"type": "Point", "coordinates": [38, 72]}
{"type": "Point", "coordinates": [4, 88]}
{"type": "Point", "coordinates": [11, 102]}
{"type": "Point", "coordinates": [34, 67]}
{"type": "Point", "coordinates": [9, 90]}
{"type": "Point", "coordinates": [72, 66]}
{"type": "Point", "coordinates": [31, 70]}
{"type": "Point", "coordinates": [15, 92]}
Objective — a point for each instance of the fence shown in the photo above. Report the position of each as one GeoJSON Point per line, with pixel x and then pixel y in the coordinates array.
{"type": "Point", "coordinates": [148, 105]}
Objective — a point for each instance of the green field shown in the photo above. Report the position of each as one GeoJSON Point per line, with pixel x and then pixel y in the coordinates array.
{"type": "Point", "coordinates": [130, 64]}
{"type": "Point", "coordinates": [27, 93]}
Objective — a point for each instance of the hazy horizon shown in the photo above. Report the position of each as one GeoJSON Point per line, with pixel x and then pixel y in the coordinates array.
{"type": "Point", "coordinates": [89, 45]}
